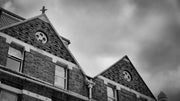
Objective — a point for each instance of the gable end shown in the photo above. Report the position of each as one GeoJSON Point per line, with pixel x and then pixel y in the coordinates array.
{"type": "Point", "coordinates": [115, 73]}
{"type": "Point", "coordinates": [26, 33]}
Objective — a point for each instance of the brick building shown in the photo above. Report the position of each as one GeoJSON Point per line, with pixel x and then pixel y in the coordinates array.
{"type": "Point", "coordinates": [36, 65]}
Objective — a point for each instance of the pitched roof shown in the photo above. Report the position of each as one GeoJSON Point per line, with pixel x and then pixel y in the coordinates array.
{"type": "Point", "coordinates": [115, 73]}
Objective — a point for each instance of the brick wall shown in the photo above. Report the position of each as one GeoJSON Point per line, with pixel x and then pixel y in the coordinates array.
{"type": "Point", "coordinates": [99, 91]}
{"type": "Point", "coordinates": [38, 89]}
{"type": "Point", "coordinates": [76, 82]}
{"type": "Point", "coordinates": [11, 80]}
{"type": "Point", "coordinates": [39, 66]}
{"type": "Point", "coordinates": [35, 88]}
{"type": "Point", "coordinates": [28, 98]}
{"type": "Point", "coordinates": [124, 95]}
{"type": "Point", "coordinates": [50, 93]}
{"type": "Point", "coordinates": [3, 51]}
{"type": "Point", "coordinates": [47, 92]}
{"type": "Point", "coordinates": [42, 67]}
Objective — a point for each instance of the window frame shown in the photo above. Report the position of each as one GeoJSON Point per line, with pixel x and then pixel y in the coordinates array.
{"type": "Point", "coordinates": [64, 67]}
{"type": "Point", "coordinates": [17, 59]}
{"type": "Point", "coordinates": [9, 92]}
{"type": "Point", "coordinates": [114, 98]}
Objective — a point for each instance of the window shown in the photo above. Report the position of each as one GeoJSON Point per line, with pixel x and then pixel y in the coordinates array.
{"type": "Point", "coordinates": [127, 76]}
{"type": "Point", "coordinates": [60, 77]}
{"type": "Point", "coordinates": [7, 96]}
{"type": "Point", "coordinates": [15, 57]}
{"type": "Point", "coordinates": [41, 37]}
{"type": "Point", "coordinates": [111, 94]}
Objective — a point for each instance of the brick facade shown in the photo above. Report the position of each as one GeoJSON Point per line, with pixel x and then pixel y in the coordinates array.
{"type": "Point", "coordinates": [99, 92]}
{"type": "Point", "coordinates": [76, 82]}
{"type": "Point", "coordinates": [39, 66]}
{"type": "Point", "coordinates": [28, 98]}
{"type": "Point", "coordinates": [42, 90]}
{"type": "Point", "coordinates": [124, 95]}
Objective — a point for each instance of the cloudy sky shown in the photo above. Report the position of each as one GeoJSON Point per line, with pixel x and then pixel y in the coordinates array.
{"type": "Point", "coordinates": [103, 31]}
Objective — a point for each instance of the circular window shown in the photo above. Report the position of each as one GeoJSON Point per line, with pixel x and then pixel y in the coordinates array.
{"type": "Point", "coordinates": [41, 37]}
{"type": "Point", "coordinates": [126, 76]}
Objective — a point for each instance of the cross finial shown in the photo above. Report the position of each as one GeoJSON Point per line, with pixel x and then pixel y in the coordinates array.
{"type": "Point", "coordinates": [43, 10]}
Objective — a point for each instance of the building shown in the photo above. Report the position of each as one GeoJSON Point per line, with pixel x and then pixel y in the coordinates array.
{"type": "Point", "coordinates": [36, 65]}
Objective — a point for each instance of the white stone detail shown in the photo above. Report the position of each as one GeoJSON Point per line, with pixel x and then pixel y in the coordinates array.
{"type": "Point", "coordinates": [37, 96]}
{"type": "Point", "coordinates": [41, 37]}
{"type": "Point", "coordinates": [127, 76]}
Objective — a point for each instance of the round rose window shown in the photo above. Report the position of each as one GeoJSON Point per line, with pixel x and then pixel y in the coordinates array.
{"type": "Point", "coordinates": [126, 76]}
{"type": "Point", "coordinates": [41, 37]}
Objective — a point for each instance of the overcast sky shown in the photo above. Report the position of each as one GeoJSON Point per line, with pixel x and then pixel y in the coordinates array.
{"type": "Point", "coordinates": [103, 31]}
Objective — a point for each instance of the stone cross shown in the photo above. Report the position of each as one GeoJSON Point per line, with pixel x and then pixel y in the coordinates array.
{"type": "Point", "coordinates": [43, 10]}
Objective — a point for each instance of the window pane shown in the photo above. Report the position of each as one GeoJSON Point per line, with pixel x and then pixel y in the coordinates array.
{"type": "Point", "coordinates": [110, 92]}
{"type": "Point", "coordinates": [60, 82]}
{"type": "Point", "coordinates": [13, 64]}
{"type": "Point", "coordinates": [60, 71]}
{"type": "Point", "coordinates": [14, 52]}
{"type": "Point", "coordinates": [7, 96]}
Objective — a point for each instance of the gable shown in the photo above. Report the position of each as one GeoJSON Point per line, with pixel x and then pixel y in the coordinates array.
{"type": "Point", "coordinates": [116, 74]}
{"type": "Point", "coordinates": [26, 32]}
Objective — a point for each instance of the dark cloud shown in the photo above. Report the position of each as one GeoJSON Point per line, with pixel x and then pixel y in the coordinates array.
{"type": "Point", "coordinates": [163, 55]}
